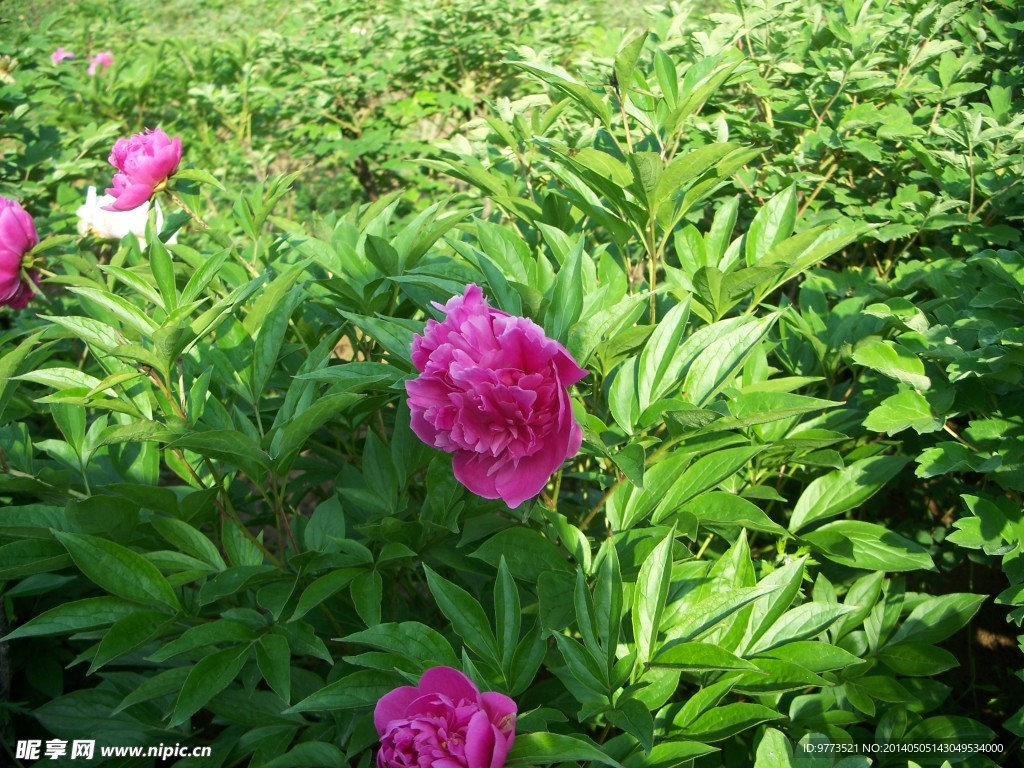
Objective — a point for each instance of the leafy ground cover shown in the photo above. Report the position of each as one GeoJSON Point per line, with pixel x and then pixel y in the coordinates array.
{"type": "Point", "coordinates": [559, 393]}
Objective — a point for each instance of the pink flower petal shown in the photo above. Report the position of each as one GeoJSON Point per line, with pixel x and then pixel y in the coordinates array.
{"type": "Point", "coordinates": [129, 198]}
{"type": "Point", "coordinates": [480, 741]}
{"type": "Point", "coordinates": [392, 706]}
{"type": "Point", "coordinates": [450, 682]}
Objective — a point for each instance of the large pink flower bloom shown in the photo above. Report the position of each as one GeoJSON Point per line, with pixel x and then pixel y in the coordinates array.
{"type": "Point", "coordinates": [143, 162]}
{"type": "Point", "coordinates": [493, 390]}
{"type": "Point", "coordinates": [444, 722]}
{"type": "Point", "coordinates": [17, 237]}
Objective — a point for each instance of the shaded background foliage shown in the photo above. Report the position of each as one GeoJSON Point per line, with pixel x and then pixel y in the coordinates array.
{"type": "Point", "coordinates": [784, 240]}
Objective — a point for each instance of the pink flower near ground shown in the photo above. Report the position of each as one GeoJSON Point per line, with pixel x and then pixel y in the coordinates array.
{"type": "Point", "coordinates": [60, 54]}
{"type": "Point", "coordinates": [444, 722]}
{"type": "Point", "coordinates": [100, 61]}
{"type": "Point", "coordinates": [144, 162]}
{"type": "Point", "coordinates": [493, 391]}
{"type": "Point", "coordinates": [17, 237]}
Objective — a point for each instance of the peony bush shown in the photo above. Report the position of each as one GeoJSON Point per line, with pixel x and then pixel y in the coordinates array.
{"type": "Point", "coordinates": [605, 436]}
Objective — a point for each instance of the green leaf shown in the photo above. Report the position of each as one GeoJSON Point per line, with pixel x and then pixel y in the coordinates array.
{"type": "Point", "coordinates": [707, 472]}
{"type": "Point", "coordinates": [310, 754]}
{"type": "Point", "coordinates": [74, 617]}
{"type": "Point", "coordinates": [190, 540]}
{"type": "Point", "coordinates": [652, 585]}
{"type": "Point", "coordinates": [949, 457]}
{"type": "Point", "coordinates": [548, 748]}
{"type": "Point", "coordinates": [507, 614]}
{"type": "Point", "coordinates": [409, 639]}
{"type": "Point", "coordinates": [625, 62]}
{"type": "Point", "coordinates": [804, 621]}
{"type": "Point", "coordinates": [566, 296]}
{"type": "Point", "coordinates": [656, 358]}
{"type": "Point", "coordinates": [296, 432]}
{"type": "Point", "coordinates": [322, 588]}
{"type": "Point", "coordinates": [936, 618]}
{"type": "Point", "coordinates": [774, 751]}
{"type": "Point", "coordinates": [161, 684]}
{"type": "Point", "coordinates": [562, 81]}
{"type": "Point", "coordinates": [951, 730]}
{"type": "Point", "coordinates": [360, 689]}
{"type": "Point", "coordinates": [608, 600]}
{"type": "Point", "coordinates": [723, 356]}
{"type": "Point", "coordinates": [126, 635]}
{"type": "Point", "coordinates": [325, 524]}
{"type": "Point", "coordinates": [622, 397]}
{"type": "Point", "coordinates": [208, 677]}
{"type": "Point", "coordinates": [195, 174]}
{"type": "Point", "coordinates": [917, 659]}
{"type": "Point", "coordinates": [844, 489]}
{"type": "Point", "coordinates": [25, 558]}
{"type": "Point", "coordinates": [273, 657]}
{"type": "Point", "coordinates": [670, 754]}
{"type": "Point", "coordinates": [633, 717]}
{"type": "Point", "coordinates": [163, 272]}
{"type": "Point", "coordinates": [228, 446]}
{"type": "Point", "coordinates": [868, 546]}
{"type": "Point", "coordinates": [367, 590]}
{"type": "Point", "coordinates": [467, 617]}
{"type": "Point", "coordinates": [528, 553]}
{"type": "Point", "coordinates": [119, 570]}
{"type": "Point", "coordinates": [698, 618]}
{"type": "Point", "coordinates": [700, 657]}
{"type": "Point", "coordinates": [202, 637]}
{"type": "Point", "coordinates": [10, 363]}
{"type": "Point", "coordinates": [716, 509]}
{"type": "Point", "coordinates": [901, 411]}
{"type": "Point", "coordinates": [772, 224]}
{"type": "Point", "coordinates": [583, 666]}
{"type": "Point", "coordinates": [724, 721]}
{"type": "Point", "coordinates": [630, 461]}
{"type": "Point", "coordinates": [895, 361]}
{"type": "Point", "coordinates": [812, 655]}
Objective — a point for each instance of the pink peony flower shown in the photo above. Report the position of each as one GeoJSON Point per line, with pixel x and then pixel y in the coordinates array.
{"type": "Point", "coordinates": [444, 722]}
{"type": "Point", "coordinates": [60, 54]}
{"type": "Point", "coordinates": [143, 162]}
{"type": "Point", "coordinates": [493, 390]}
{"type": "Point", "coordinates": [17, 237]}
{"type": "Point", "coordinates": [100, 61]}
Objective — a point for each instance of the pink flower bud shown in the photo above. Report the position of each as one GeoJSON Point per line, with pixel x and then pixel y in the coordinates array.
{"type": "Point", "coordinates": [144, 162]}
{"type": "Point", "coordinates": [493, 391]}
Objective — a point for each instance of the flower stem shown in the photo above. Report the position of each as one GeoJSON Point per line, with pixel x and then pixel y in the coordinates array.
{"type": "Point", "coordinates": [181, 204]}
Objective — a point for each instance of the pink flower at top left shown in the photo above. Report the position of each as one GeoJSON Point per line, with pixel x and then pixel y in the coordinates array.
{"type": "Point", "coordinates": [144, 163]}
{"type": "Point", "coordinates": [17, 237]}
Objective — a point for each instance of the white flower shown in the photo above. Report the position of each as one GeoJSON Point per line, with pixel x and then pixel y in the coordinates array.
{"type": "Point", "coordinates": [113, 225]}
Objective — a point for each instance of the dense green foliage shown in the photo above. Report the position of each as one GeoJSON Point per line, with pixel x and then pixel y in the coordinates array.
{"type": "Point", "coordinates": [783, 239]}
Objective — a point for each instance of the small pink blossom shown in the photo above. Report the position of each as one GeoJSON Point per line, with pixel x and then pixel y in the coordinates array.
{"type": "Point", "coordinates": [144, 162]}
{"type": "Point", "coordinates": [444, 722]}
{"type": "Point", "coordinates": [100, 61]}
{"type": "Point", "coordinates": [17, 237]}
{"type": "Point", "coordinates": [493, 391]}
{"type": "Point", "coordinates": [60, 54]}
